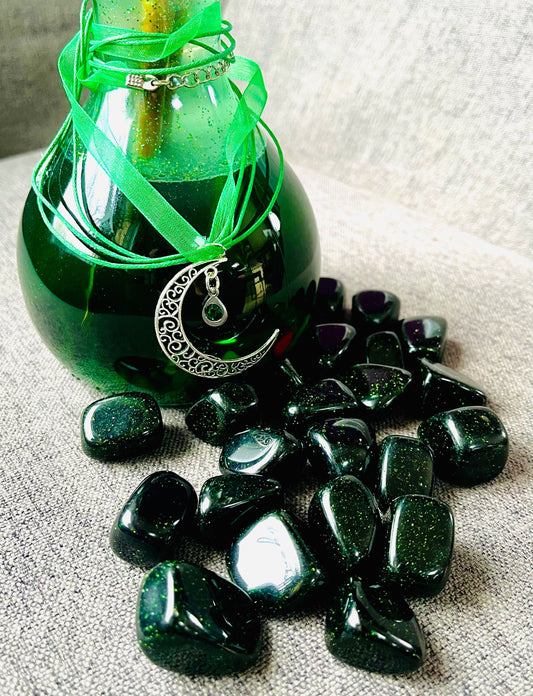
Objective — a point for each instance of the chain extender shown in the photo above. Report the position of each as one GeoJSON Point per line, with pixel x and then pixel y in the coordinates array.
{"type": "Point", "coordinates": [151, 83]}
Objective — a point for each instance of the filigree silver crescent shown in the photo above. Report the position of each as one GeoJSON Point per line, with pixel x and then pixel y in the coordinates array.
{"type": "Point", "coordinates": [175, 343]}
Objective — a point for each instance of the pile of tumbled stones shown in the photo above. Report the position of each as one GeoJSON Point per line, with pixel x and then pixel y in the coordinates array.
{"type": "Point", "coordinates": [375, 533]}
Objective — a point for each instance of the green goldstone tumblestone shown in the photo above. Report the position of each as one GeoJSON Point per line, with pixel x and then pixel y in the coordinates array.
{"type": "Point", "coordinates": [227, 504]}
{"type": "Point", "coordinates": [376, 387]}
{"type": "Point", "coordinates": [383, 348]}
{"type": "Point", "coordinates": [121, 426]}
{"type": "Point", "coordinates": [404, 466]}
{"type": "Point", "coordinates": [419, 545]}
{"type": "Point", "coordinates": [444, 389]}
{"type": "Point", "coordinates": [424, 337]}
{"type": "Point", "coordinates": [326, 399]}
{"type": "Point", "coordinates": [373, 310]}
{"type": "Point", "coordinates": [340, 446]}
{"type": "Point", "coordinates": [345, 519]}
{"type": "Point", "coordinates": [269, 452]}
{"type": "Point", "coordinates": [222, 411]}
{"type": "Point", "coordinates": [470, 444]}
{"type": "Point", "coordinates": [274, 561]}
{"type": "Point", "coordinates": [192, 621]}
{"type": "Point", "coordinates": [372, 628]}
{"type": "Point", "coordinates": [329, 305]}
{"type": "Point", "coordinates": [153, 520]}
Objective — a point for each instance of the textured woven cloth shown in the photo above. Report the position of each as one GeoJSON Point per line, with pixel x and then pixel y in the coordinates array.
{"type": "Point", "coordinates": [67, 605]}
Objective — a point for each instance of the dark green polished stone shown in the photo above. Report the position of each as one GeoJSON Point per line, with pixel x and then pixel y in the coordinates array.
{"type": "Point", "coordinates": [222, 411]}
{"type": "Point", "coordinates": [270, 452]}
{"type": "Point", "coordinates": [404, 466]}
{"type": "Point", "coordinates": [340, 446]}
{"type": "Point", "coordinates": [373, 310]}
{"type": "Point", "coordinates": [273, 561]}
{"type": "Point", "coordinates": [153, 521]}
{"type": "Point", "coordinates": [372, 628]}
{"type": "Point", "coordinates": [419, 547]}
{"type": "Point", "coordinates": [330, 346]}
{"type": "Point", "coordinates": [329, 304]}
{"type": "Point", "coordinates": [274, 385]}
{"type": "Point", "coordinates": [444, 389]}
{"type": "Point", "coordinates": [228, 504]}
{"type": "Point", "coordinates": [470, 444]}
{"type": "Point", "coordinates": [376, 387]}
{"type": "Point", "coordinates": [121, 426]}
{"type": "Point", "coordinates": [326, 399]}
{"type": "Point", "coordinates": [424, 337]}
{"type": "Point", "coordinates": [344, 517]}
{"type": "Point", "coordinates": [192, 621]}
{"type": "Point", "coordinates": [384, 348]}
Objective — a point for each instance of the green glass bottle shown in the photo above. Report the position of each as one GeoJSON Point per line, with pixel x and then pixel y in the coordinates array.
{"type": "Point", "coordinates": [99, 320]}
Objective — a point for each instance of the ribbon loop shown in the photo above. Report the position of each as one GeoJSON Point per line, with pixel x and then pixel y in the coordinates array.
{"type": "Point", "coordinates": [101, 56]}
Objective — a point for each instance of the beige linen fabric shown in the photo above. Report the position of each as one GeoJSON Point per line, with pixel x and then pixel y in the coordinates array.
{"type": "Point", "coordinates": [67, 605]}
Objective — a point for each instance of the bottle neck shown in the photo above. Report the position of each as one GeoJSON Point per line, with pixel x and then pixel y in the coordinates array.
{"type": "Point", "coordinates": [147, 15]}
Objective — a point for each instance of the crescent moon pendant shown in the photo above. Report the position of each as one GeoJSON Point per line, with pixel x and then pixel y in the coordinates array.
{"type": "Point", "coordinates": [175, 343]}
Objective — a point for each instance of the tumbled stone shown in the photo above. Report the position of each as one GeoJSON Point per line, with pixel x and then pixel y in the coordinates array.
{"type": "Point", "coordinates": [344, 517]}
{"type": "Point", "coordinates": [151, 524]}
{"type": "Point", "coordinates": [373, 310]}
{"type": "Point", "coordinates": [419, 545]}
{"type": "Point", "coordinates": [424, 337]}
{"type": "Point", "coordinates": [228, 504]}
{"type": "Point", "coordinates": [121, 426]}
{"type": "Point", "coordinates": [376, 387]}
{"type": "Point", "coordinates": [273, 561]}
{"type": "Point", "coordinates": [331, 345]}
{"type": "Point", "coordinates": [192, 621]}
{"type": "Point", "coordinates": [270, 452]}
{"type": "Point", "coordinates": [444, 389]}
{"type": "Point", "coordinates": [326, 399]}
{"type": "Point", "coordinates": [372, 628]}
{"type": "Point", "coordinates": [404, 466]}
{"type": "Point", "coordinates": [222, 411]}
{"type": "Point", "coordinates": [329, 304]}
{"type": "Point", "coordinates": [470, 444]}
{"type": "Point", "coordinates": [383, 348]}
{"type": "Point", "coordinates": [340, 446]}
{"type": "Point", "coordinates": [277, 381]}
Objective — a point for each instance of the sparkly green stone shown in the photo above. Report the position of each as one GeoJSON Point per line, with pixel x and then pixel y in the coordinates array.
{"type": "Point", "coordinates": [371, 628]}
{"type": "Point", "coordinates": [274, 561]}
{"type": "Point", "coordinates": [419, 545]}
{"type": "Point", "coordinates": [151, 524]}
{"type": "Point", "coordinates": [404, 466]}
{"type": "Point", "coordinates": [228, 504]}
{"type": "Point", "coordinates": [470, 444]}
{"type": "Point", "coordinates": [192, 621]}
{"type": "Point", "coordinates": [340, 446]}
{"type": "Point", "coordinates": [269, 452]}
{"type": "Point", "coordinates": [383, 348]}
{"type": "Point", "coordinates": [424, 337]}
{"type": "Point", "coordinates": [344, 517]}
{"type": "Point", "coordinates": [444, 389]}
{"type": "Point", "coordinates": [326, 399]}
{"type": "Point", "coordinates": [222, 411]}
{"type": "Point", "coordinates": [376, 387]}
{"type": "Point", "coordinates": [373, 310]}
{"type": "Point", "coordinates": [121, 426]}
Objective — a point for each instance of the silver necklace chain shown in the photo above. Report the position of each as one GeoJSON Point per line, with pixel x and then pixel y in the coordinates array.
{"type": "Point", "coordinates": [206, 73]}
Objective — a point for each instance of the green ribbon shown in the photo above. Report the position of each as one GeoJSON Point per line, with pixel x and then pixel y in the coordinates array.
{"type": "Point", "coordinates": [94, 58]}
